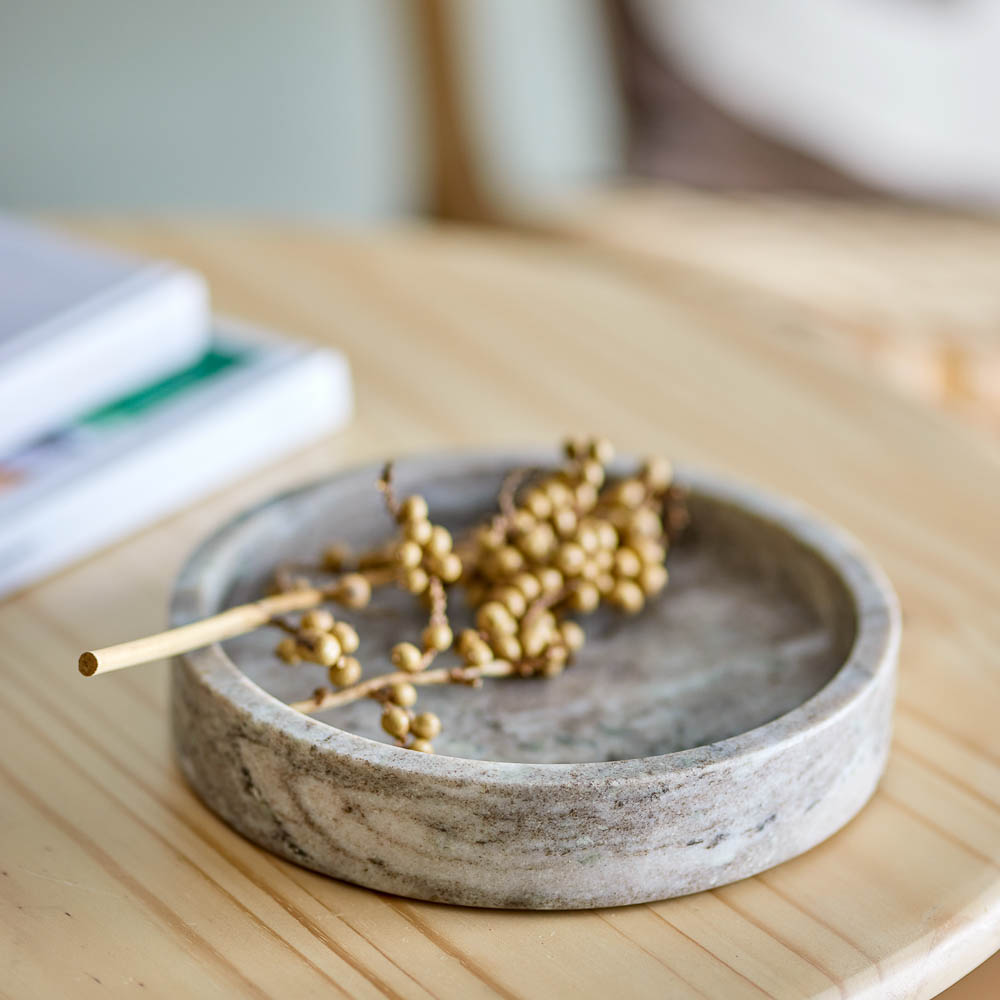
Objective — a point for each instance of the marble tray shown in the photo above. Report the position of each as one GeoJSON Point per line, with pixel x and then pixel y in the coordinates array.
{"type": "Point", "coordinates": [739, 720]}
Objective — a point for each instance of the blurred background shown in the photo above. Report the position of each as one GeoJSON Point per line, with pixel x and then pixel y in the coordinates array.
{"type": "Point", "coordinates": [843, 156]}
{"type": "Point", "coordinates": [840, 130]}
{"type": "Point", "coordinates": [348, 110]}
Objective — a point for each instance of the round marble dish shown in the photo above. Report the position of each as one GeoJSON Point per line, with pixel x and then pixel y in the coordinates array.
{"type": "Point", "coordinates": [739, 720]}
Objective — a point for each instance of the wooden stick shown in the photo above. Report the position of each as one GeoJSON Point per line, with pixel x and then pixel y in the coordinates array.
{"type": "Point", "coordinates": [226, 625]}
{"type": "Point", "coordinates": [325, 698]}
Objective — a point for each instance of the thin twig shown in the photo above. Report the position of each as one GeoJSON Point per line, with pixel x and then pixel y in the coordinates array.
{"type": "Point", "coordinates": [439, 602]}
{"type": "Point", "coordinates": [225, 625]}
{"type": "Point", "coordinates": [377, 558]}
{"type": "Point", "coordinates": [508, 492]}
{"type": "Point", "coordinates": [325, 698]}
{"type": "Point", "coordinates": [438, 615]}
{"type": "Point", "coordinates": [280, 621]}
{"type": "Point", "coordinates": [388, 490]}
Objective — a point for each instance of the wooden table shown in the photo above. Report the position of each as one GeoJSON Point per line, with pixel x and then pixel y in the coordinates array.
{"type": "Point", "coordinates": [116, 881]}
{"type": "Point", "coordinates": [912, 291]}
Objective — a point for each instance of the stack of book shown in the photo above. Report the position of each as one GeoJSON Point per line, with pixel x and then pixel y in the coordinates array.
{"type": "Point", "coordinates": [122, 398]}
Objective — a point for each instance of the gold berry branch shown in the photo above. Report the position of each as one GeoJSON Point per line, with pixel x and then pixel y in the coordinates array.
{"type": "Point", "coordinates": [562, 543]}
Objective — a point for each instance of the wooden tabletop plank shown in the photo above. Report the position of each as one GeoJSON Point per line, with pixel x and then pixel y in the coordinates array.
{"type": "Point", "coordinates": [464, 339]}
{"type": "Point", "coordinates": [910, 289]}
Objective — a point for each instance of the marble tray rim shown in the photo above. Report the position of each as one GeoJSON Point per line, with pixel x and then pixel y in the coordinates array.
{"type": "Point", "coordinates": [873, 651]}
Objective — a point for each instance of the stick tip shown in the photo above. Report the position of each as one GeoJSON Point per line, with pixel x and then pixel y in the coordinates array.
{"type": "Point", "coordinates": [88, 664]}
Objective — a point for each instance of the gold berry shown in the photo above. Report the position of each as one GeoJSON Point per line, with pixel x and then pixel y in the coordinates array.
{"type": "Point", "coordinates": [592, 472]}
{"type": "Point", "coordinates": [406, 656]}
{"type": "Point", "coordinates": [627, 562]}
{"type": "Point", "coordinates": [523, 521]}
{"type": "Point", "coordinates": [528, 584]}
{"type": "Point", "coordinates": [565, 522]}
{"type": "Point", "coordinates": [319, 619]}
{"type": "Point", "coordinates": [572, 635]}
{"type": "Point", "coordinates": [334, 557]}
{"type": "Point", "coordinates": [606, 534]}
{"type": "Point", "coordinates": [354, 590]}
{"type": "Point", "coordinates": [449, 567]}
{"type": "Point", "coordinates": [288, 650]}
{"type": "Point", "coordinates": [558, 493]}
{"type": "Point", "coordinates": [395, 721]}
{"type": "Point", "coordinates": [645, 522]}
{"type": "Point", "coordinates": [418, 531]}
{"type": "Point", "coordinates": [413, 508]}
{"type": "Point", "coordinates": [601, 450]}
{"type": "Point", "coordinates": [586, 495]}
{"type": "Point", "coordinates": [506, 647]}
{"type": "Point", "coordinates": [555, 660]}
{"type": "Point", "coordinates": [628, 595]}
{"type": "Point", "coordinates": [629, 493]}
{"type": "Point", "coordinates": [508, 561]}
{"type": "Point", "coordinates": [538, 542]}
{"type": "Point", "coordinates": [416, 580]}
{"type": "Point", "coordinates": [587, 538]}
{"type": "Point", "coordinates": [437, 637]}
{"type": "Point", "coordinates": [425, 725]}
{"type": "Point", "coordinates": [466, 639]}
{"type": "Point", "coordinates": [409, 554]}
{"type": "Point", "coordinates": [570, 559]}
{"type": "Point", "coordinates": [347, 636]}
{"type": "Point", "coordinates": [440, 542]}
{"type": "Point", "coordinates": [538, 504]}
{"type": "Point", "coordinates": [585, 597]}
{"type": "Point", "coordinates": [551, 580]}
{"type": "Point", "coordinates": [476, 651]}
{"type": "Point", "coordinates": [649, 550]}
{"type": "Point", "coordinates": [534, 639]}
{"type": "Point", "coordinates": [403, 694]}
{"type": "Point", "coordinates": [494, 617]}
{"type": "Point", "coordinates": [345, 672]}
{"type": "Point", "coordinates": [653, 578]}
{"type": "Point", "coordinates": [489, 538]}
{"type": "Point", "coordinates": [657, 473]}
{"type": "Point", "coordinates": [326, 649]}
{"type": "Point", "coordinates": [512, 599]}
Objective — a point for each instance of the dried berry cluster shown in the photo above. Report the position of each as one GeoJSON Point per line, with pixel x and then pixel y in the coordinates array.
{"type": "Point", "coordinates": [565, 547]}
{"type": "Point", "coordinates": [563, 543]}
{"type": "Point", "coordinates": [320, 638]}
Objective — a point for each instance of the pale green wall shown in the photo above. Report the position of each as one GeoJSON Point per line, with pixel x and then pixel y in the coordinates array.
{"type": "Point", "coordinates": [307, 108]}
{"type": "Point", "coordinates": [303, 108]}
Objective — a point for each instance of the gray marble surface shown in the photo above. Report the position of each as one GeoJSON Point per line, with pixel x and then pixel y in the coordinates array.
{"type": "Point", "coordinates": [740, 719]}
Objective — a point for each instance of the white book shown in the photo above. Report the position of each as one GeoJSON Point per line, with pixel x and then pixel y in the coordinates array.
{"type": "Point", "coordinates": [80, 324]}
{"type": "Point", "coordinates": [249, 399]}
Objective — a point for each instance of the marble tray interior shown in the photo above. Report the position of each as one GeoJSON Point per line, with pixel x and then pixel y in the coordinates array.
{"type": "Point", "coordinates": [752, 625]}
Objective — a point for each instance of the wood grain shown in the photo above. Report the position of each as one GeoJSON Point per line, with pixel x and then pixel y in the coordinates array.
{"type": "Point", "coordinates": [116, 880]}
{"type": "Point", "coordinates": [911, 291]}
